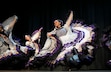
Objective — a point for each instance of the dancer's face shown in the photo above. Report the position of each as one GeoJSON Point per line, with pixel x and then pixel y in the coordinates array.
{"type": "Point", "coordinates": [1, 29]}
{"type": "Point", "coordinates": [27, 37]}
{"type": "Point", "coordinates": [57, 23]}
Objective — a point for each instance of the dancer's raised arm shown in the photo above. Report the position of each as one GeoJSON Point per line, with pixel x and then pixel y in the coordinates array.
{"type": "Point", "coordinates": [70, 18]}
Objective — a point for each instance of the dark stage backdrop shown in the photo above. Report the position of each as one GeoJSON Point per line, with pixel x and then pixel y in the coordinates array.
{"type": "Point", "coordinates": [41, 13]}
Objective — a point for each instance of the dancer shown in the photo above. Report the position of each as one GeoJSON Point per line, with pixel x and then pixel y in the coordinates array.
{"type": "Point", "coordinates": [5, 34]}
{"type": "Point", "coordinates": [75, 35]}
{"type": "Point", "coordinates": [32, 41]}
{"type": "Point", "coordinates": [106, 41]}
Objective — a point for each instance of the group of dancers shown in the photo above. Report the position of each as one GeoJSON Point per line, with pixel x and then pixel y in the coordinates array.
{"type": "Point", "coordinates": [70, 44]}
